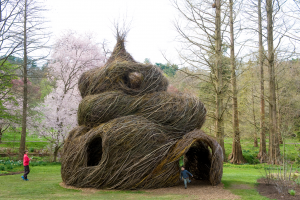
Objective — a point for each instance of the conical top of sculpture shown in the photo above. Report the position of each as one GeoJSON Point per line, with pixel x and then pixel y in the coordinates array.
{"type": "Point", "coordinates": [122, 73]}
{"type": "Point", "coordinates": [119, 53]}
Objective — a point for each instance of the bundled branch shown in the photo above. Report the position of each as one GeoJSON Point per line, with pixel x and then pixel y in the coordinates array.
{"type": "Point", "coordinates": [132, 132]}
{"type": "Point", "coordinates": [179, 113]}
{"type": "Point", "coordinates": [129, 77]}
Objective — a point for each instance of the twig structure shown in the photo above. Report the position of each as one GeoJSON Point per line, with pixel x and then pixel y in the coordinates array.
{"type": "Point", "coordinates": [132, 133]}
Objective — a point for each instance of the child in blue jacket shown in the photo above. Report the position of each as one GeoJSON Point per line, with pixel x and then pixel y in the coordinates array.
{"type": "Point", "coordinates": [184, 175]}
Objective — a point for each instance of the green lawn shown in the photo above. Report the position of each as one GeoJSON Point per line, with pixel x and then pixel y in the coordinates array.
{"type": "Point", "coordinates": [15, 145]}
{"type": "Point", "coordinates": [16, 136]}
{"type": "Point", "coordinates": [44, 184]}
{"type": "Point", "coordinates": [245, 175]}
{"type": "Point", "coordinates": [250, 152]}
{"type": "Point", "coordinates": [11, 140]}
{"type": "Point", "coordinates": [44, 180]}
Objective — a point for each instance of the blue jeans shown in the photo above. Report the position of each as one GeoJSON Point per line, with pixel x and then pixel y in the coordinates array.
{"type": "Point", "coordinates": [186, 180]}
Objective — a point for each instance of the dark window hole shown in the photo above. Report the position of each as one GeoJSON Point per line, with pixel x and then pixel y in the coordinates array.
{"type": "Point", "coordinates": [94, 152]}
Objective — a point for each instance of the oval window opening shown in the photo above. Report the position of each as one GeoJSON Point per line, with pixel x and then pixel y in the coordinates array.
{"type": "Point", "coordinates": [94, 152]}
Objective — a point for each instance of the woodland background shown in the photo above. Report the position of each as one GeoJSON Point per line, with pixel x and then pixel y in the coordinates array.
{"type": "Point", "coordinates": [241, 58]}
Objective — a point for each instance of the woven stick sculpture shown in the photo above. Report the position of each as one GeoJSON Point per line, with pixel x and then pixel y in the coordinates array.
{"type": "Point", "coordinates": [132, 132]}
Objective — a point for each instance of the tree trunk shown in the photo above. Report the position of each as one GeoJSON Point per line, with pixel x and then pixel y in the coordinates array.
{"type": "Point", "coordinates": [274, 151]}
{"type": "Point", "coordinates": [262, 155]}
{"type": "Point", "coordinates": [219, 82]}
{"type": "Point", "coordinates": [24, 117]}
{"type": "Point", "coordinates": [0, 133]}
{"type": "Point", "coordinates": [278, 116]}
{"type": "Point", "coordinates": [236, 155]}
{"type": "Point", "coordinates": [254, 118]}
{"type": "Point", "coordinates": [56, 148]}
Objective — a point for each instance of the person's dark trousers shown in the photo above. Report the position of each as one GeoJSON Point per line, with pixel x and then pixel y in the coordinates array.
{"type": "Point", "coordinates": [26, 171]}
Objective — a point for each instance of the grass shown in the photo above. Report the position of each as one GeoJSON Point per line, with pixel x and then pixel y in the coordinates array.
{"type": "Point", "coordinates": [11, 141]}
{"type": "Point", "coordinates": [243, 176]}
{"type": "Point", "coordinates": [16, 136]}
{"type": "Point", "coordinates": [44, 184]}
{"type": "Point", "coordinates": [7, 166]}
{"type": "Point", "coordinates": [250, 152]}
{"type": "Point", "coordinates": [14, 146]}
{"type": "Point", "coordinates": [45, 179]}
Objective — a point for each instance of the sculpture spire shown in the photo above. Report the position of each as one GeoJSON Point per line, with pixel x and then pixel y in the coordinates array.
{"type": "Point", "coordinates": [119, 53]}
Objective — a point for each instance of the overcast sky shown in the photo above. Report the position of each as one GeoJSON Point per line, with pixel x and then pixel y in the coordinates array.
{"type": "Point", "coordinates": [152, 29]}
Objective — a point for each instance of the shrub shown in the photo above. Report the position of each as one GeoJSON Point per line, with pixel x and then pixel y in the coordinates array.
{"type": "Point", "coordinates": [31, 150]}
{"type": "Point", "coordinates": [298, 181]}
{"type": "Point", "coordinates": [250, 158]}
{"type": "Point", "coordinates": [2, 168]}
{"type": "Point", "coordinates": [19, 163]}
{"type": "Point", "coordinates": [43, 163]}
{"type": "Point", "coordinates": [292, 192]}
{"type": "Point", "coordinates": [7, 162]}
{"type": "Point", "coordinates": [9, 167]}
{"type": "Point", "coordinates": [298, 157]}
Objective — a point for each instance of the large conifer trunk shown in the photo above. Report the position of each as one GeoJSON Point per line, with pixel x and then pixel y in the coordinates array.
{"type": "Point", "coordinates": [219, 84]}
{"type": "Point", "coordinates": [274, 151]}
{"type": "Point", "coordinates": [262, 155]}
{"type": "Point", "coordinates": [236, 155]}
{"type": "Point", "coordinates": [24, 116]}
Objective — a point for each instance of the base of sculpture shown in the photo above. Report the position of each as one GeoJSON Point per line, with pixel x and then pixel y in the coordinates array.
{"type": "Point", "coordinates": [139, 155]}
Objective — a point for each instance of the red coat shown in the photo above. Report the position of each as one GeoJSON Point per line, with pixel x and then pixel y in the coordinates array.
{"type": "Point", "coordinates": [26, 160]}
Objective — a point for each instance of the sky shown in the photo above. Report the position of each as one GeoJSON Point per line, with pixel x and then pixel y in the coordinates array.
{"type": "Point", "coordinates": [151, 30]}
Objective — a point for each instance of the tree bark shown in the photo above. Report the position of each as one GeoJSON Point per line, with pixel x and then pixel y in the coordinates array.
{"type": "Point", "coordinates": [219, 82]}
{"type": "Point", "coordinates": [56, 148]}
{"type": "Point", "coordinates": [262, 155]}
{"type": "Point", "coordinates": [274, 151]}
{"type": "Point", "coordinates": [0, 133]}
{"type": "Point", "coordinates": [278, 116]}
{"type": "Point", "coordinates": [236, 155]}
{"type": "Point", "coordinates": [254, 118]}
{"type": "Point", "coordinates": [24, 117]}
{"type": "Point", "coordinates": [3, 128]}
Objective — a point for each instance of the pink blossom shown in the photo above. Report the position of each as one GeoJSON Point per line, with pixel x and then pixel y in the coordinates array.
{"type": "Point", "coordinates": [72, 55]}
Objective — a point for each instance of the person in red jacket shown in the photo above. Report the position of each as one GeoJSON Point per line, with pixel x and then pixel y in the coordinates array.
{"type": "Point", "coordinates": [26, 166]}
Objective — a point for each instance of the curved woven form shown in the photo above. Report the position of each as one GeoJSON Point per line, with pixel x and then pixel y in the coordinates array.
{"type": "Point", "coordinates": [178, 113]}
{"type": "Point", "coordinates": [132, 132]}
